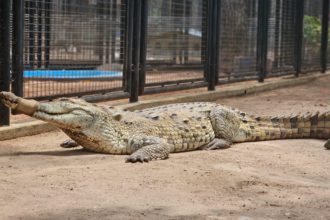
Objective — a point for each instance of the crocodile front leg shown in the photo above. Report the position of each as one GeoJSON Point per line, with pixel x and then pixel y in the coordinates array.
{"type": "Point", "coordinates": [225, 123]}
{"type": "Point", "coordinates": [147, 148]}
{"type": "Point", "coordinates": [150, 152]}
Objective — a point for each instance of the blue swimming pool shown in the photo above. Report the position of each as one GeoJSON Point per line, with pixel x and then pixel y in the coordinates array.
{"type": "Point", "coordinates": [70, 74]}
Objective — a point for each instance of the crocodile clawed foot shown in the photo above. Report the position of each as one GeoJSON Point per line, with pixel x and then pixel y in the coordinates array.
{"type": "Point", "coordinates": [137, 158]}
{"type": "Point", "coordinates": [69, 144]}
{"type": "Point", "coordinates": [327, 144]}
{"type": "Point", "coordinates": [150, 152]}
{"type": "Point", "coordinates": [216, 144]}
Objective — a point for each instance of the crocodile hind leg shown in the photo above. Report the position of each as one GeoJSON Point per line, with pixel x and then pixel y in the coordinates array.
{"type": "Point", "coordinates": [327, 144]}
{"type": "Point", "coordinates": [69, 144]}
{"type": "Point", "coordinates": [150, 152]}
{"type": "Point", "coordinates": [225, 124]}
{"type": "Point", "coordinates": [215, 144]}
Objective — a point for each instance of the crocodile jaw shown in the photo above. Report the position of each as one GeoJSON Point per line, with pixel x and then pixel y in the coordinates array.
{"type": "Point", "coordinates": [64, 113]}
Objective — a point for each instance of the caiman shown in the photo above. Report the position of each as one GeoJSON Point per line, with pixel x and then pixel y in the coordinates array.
{"type": "Point", "coordinates": [154, 133]}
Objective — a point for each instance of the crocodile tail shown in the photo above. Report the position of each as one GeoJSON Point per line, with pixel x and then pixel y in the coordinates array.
{"type": "Point", "coordinates": [309, 125]}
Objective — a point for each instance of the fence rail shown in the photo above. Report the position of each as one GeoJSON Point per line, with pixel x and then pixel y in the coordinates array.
{"type": "Point", "coordinates": [123, 48]}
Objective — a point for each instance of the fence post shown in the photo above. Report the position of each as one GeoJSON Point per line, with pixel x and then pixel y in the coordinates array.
{"type": "Point", "coordinates": [325, 28]}
{"type": "Point", "coordinates": [299, 35]}
{"type": "Point", "coordinates": [204, 38]}
{"type": "Point", "coordinates": [4, 56]}
{"type": "Point", "coordinates": [262, 38]}
{"type": "Point", "coordinates": [48, 7]}
{"type": "Point", "coordinates": [143, 46]}
{"type": "Point", "coordinates": [129, 45]}
{"type": "Point", "coordinates": [40, 9]}
{"type": "Point", "coordinates": [135, 67]}
{"type": "Point", "coordinates": [124, 40]}
{"type": "Point", "coordinates": [212, 42]}
{"type": "Point", "coordinates": [31, 23]}
{"type": "Point", "coordinates": [17, 47]}
{"type": "Point", "coordinates": [217, 8]}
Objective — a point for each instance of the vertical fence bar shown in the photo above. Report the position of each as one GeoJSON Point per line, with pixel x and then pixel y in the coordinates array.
{"type": "Point", "coordinates": [143, 47]}
{"type": "Point", "coordinates": [39, 34]}
{"type": "Point", "coordinates": [47, 6]}
{"type": "Point", "coordinates": [101, 11]}
{"type": "Point", "coordinates": [4, 56]}
{"type": "Point", "coordinates": [262, 39]}
{"type": "Point", "coordinates": [17, 47]}
{"type": "Point", "coordinates": [325, 35]}
{"type": "Point", "coordinates": [134, 91]}
{"type": "Point", "coordinates": [31, 13]}
{"type": "Point", "coordinates": [210, 47]}
{"type": "Point", "coordinates": [129, 45]}
{"type": "Point", "coordinates": [299, 35]}
{"type": "Point", "coordinates": [277, 41]}
{"type": "Point", "coordinates": [217, 8]}
{"type": "Point", "coordinates": [113, 35]}
{"type": "Point", "coordinates": [204, 47]}
{"type": "Point", "coordinates": [124, 20]}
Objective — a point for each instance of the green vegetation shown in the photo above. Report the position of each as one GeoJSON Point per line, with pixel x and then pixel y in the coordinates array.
{"type": "Point", "coordinates": [312, 31]}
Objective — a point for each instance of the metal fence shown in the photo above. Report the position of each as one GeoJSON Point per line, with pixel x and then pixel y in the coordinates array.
{"type": "Point", "coordinates": [238, 51]}
{"type": "Point", "coordinates": [72, 47]}
{"type": "Point", "coordinates": [311, 58]}
{"type": "Point", "coordinates": [281, 37]}
{"type": "Point", "coordinates": [174, 45]}
{"type": "Point", "coordinates": [123, 48]}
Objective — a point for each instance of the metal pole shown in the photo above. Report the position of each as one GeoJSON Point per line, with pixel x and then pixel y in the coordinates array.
{"type": "Point", "coordinates": [4, 57]}
{"type": "Point", "coordinates": [129, 45]}
{"type": "Point", "coordinates": [277, 33]}
{"type": "Point", "coordinates": [211, 47]}
{"type": "Point", "coordinates": [134, 91]}
{"type": "Point", "coordinates": [325, 28]}
{"type": "Point", "coordinates": [143, 47]}
{"type": "Point", "coordinates": [109, 13]}
{"type": "Point", "coordinates": [39, 34]}
{"type": "Point", "coordinates": [17, 47]}
{"type": "Point", "coordinates": [123, 25]}
{"type": "Point", "coordinates": [204, 47]}
{"type": "Point", "coordinates": [266, 16]}
{"type": "Point", "coordinates": [262, 39]}
{"type": "Point", "coordinates": [113, 33]}
{"type": "Point", "coordinates": [124, 40]}
{"type": "Point", "coordinates": [32, 9]}
{"type": "Point", "coordinates": [299, 35]}
{"type": "Point", "coordinates": [217, 41]}
{"type": "Point", "coordinates": [101, 32]}
{"type": "Point", "coordinates": [48, 6]}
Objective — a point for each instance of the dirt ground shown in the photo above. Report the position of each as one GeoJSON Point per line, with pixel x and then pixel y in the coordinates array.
{"type": "Point", "coordinates": [285, 179]}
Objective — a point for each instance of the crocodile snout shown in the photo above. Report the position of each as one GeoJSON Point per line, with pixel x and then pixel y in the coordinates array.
{"type": "Point", "coordinates": [9, 99]}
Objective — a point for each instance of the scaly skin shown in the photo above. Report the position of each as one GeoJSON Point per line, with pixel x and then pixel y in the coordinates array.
{"type": "Point", "coordinates": [154, 133]}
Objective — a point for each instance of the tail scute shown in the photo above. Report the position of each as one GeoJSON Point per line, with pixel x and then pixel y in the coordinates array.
{"type": "Point", "coordinates": [308, 125]}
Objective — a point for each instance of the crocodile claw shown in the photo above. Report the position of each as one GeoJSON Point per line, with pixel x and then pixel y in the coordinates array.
{"type": "Point", "coordinates": [137, 158]}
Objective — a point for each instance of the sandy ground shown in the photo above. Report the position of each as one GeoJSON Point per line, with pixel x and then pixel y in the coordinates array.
{"type": "Point", "coordinates": [285, 179]}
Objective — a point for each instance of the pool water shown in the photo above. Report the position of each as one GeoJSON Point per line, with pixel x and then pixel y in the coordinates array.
{"type": "Point", "coordinates": [70, 74]}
